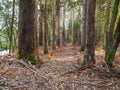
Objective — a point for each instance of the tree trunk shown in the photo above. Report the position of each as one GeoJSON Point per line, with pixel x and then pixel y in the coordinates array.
{"type": "Point", "coordinates": [73, 31]}
{"type": "Point", "coordinates": [63, 30]}
{"type": "Point", "coordinates": [116, 42]}
{"type": "Point", "coordinates": [79, 28]}
{"type": "Point", "coordinates": [89, 56]}
{"type": "Point", "coordinates": [27, 38]}
{"type": "Point", "coordinates": [83, 30]}
{"type": "Point", "coordinates": [11, 29]}
{"type": "Point", "coordinates": [110, 39]}
{"type": "Point", "coordinates": [53, 23]}
{"type": "Point", "coordinates": [58, 16]}
{"type": "Point", "coordinates": [98, 22]}
{"type": "Point", "coordinates": [45, 29]}
{"type": "Point", "coordinates": [15, 40]}
{"type": "Point", "coordinates": [41, 24]}
{"type": "Point", "coordinates": [107, 22]}
{"type": "Point", "coordinates": [79, 37]}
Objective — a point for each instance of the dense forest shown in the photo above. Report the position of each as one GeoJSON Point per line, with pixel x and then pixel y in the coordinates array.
{"type": "Point", "coordinates": [59, 44]}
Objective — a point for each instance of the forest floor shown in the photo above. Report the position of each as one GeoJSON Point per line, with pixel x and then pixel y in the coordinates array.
{"type": "Point", "coordinates": [60, 70]}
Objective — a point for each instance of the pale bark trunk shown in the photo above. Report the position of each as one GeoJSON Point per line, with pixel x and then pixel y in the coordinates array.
{"type": "Point", "coordinates": [73, 32]}
{"type": "Point", "coordinates": [11, 29]}
{"type": "Point", "coordinates": [107, 22]}
{"type": "Point", "coordinates": [83, 27]}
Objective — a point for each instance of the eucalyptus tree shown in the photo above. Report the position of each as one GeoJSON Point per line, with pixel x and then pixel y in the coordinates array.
{"type": "Point", "coordinates": [83, 26]}
{"type": "Point", "coordinates": [27, 38]}
{"type": "Point", "coordinates": [106, 27]}
{"type": "Point", "coordinates": [58, 3]}
{"type": "Point", "coordinates": [89, 56]}
{"type": "Point", "coordinates": [41, 18]}
{"type": "Point", "coordinates": [11, 28]}
{"type": "Point", "coordinates": [63, 26]}
{"type": "Point", "coordinates": [53, 24]}
{"type": "Point", "coordinates": [45, 39]}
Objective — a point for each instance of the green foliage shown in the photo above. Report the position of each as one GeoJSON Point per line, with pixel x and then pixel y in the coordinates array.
{"type": "Point", "coordinates": [5, 22]}
{"type": "Point", "coordinates": [1, 8]}
{"type": "Point", "coordinates": [100, 1]}
{"type": "Point", "coordinates": [77, 23]}
{"type": "Point", "coordinates": [72, 3]}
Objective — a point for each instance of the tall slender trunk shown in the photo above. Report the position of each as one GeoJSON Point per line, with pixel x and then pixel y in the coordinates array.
{"type": "Point", "coordinates": [53, 23]}
{"type": "Point", "coordinates": [41, 18]}
{"type": "Point", "coordinates": [83, 27]}
{"type": "Point", "coordinates": [63, 29]}
{"type": "Point", "coordinates": [110, 39]}
{"type": "Point", "coordinates": [116, 41]}
{"type": "Point", "coordinates": [11, 29]}
{"type": "Point", "coordinates": [15, 40]}
{"type": "Point", "coordinates": [98, 22]}
{"type": "Point", "coordinates": [0, 44]}
{"type": "Point", "coordinates": [89, 56]}
{"type": "Point", "coordinates": [79, 37]}
{"type": "Point", "coordinates": [79, 28]}
{"type": "Point", "coordinates": [73, 31]}
{"type": "Point", "coordinates": [107, 22]}
{"type": "Point", "coordinates": [45, 28]}
{"type": "Point", "coordinates": [58, 23]}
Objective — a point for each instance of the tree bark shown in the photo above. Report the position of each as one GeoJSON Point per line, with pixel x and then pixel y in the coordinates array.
{"type": "Point", "coordinates": [63, 30]}
{"type": "Point", "coordinates": [83, 28]}
{"type": "Point", "coordinates": [73, 31]}
{"type": "Point", "coordinates": [45, 29]}
{"type": "Point", "coordinates": [11, 29]}
{"type": "Point", "coordinates": [89, 56]}
{"type": "Point", "coordinates": [116, 42]}
{"type": "Point", "coordinates": [41, 21]}
{"type": "Point", "coordinates": [107, 22]}
{"type": "Point", "coordinates": [110, 40]}
{"type": "Point", "coordinates": [79, 37]}
{"type": "Point", "coordinates": [58, 16]}
{"type": "Point", "coordinates": [27, 38]}
{"type": "Point", "coordinates": [53, 24]}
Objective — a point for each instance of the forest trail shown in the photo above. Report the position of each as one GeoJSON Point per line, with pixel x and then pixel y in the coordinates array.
{"type": "Point", "coordinates": [68, 54]}
{"type": "Point", "coordinates": [59, 71]}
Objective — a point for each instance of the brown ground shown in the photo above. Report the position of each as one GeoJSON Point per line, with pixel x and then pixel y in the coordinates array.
{"type": "Point", "coordinates": [60, 70]}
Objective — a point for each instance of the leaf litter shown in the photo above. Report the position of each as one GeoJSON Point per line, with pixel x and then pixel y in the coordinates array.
{"type": "Point", "coordinates": [60, 70]}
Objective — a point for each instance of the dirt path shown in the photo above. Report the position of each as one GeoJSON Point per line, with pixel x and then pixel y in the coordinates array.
{"type": "Point", "coordinates": [59, 72]}
{"type": "Point", "coordinates": [68, 54]}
